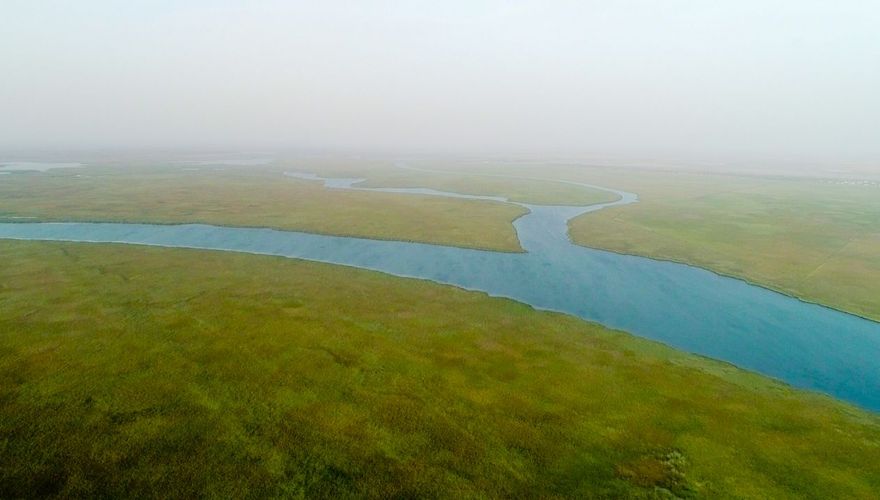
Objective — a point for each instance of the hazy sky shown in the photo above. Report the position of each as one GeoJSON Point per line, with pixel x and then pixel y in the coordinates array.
{"type": "Point", "coordinates": [714, 78]}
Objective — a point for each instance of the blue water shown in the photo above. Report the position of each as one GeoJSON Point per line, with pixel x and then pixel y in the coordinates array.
{"type": "Point", "coordinates": [806, 345]}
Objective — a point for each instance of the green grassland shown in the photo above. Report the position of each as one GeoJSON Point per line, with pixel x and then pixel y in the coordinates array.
{"type": "Point", "coordinates": [147, 372]}
{"type": "Point", "coordinates": [386, 174]}
{"type": "Point", "coordinates": [259, 197]}
{"type": "Point", "coordinates": [815, 239]}
{"type": "Point", "coordinates": [811, 239]}
{"type": "Point", "coordinates": [538, 192]}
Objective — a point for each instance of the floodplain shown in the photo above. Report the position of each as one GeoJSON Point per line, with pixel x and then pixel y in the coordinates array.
{"type": "Point", "coordinates": [158, 372]}
{"type": "Point", "coordinates": [146, 371]}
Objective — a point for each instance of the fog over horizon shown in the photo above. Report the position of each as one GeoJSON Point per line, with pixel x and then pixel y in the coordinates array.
{"type": "Point", "coordinates": [786, 80]}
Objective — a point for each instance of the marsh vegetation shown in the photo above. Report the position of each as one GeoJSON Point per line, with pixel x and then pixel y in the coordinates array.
{"type": "Point", "coordinates": [253, 197]}
{"type": "Point", "coordinates": [157, 372]}
{"type": "Point", "coordinates": [814, 238]}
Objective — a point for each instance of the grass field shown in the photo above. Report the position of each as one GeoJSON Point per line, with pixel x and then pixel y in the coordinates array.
{"type": "Point", "coordinates": [253, 196]}
{"type": "Point", "coordinates": [386, 174]}
{"type": "Point", "coordinates": [261, 196]}
{"type": "Point", "coordinates": [147, 372]}
{"type": "Point", "coordinates": [525, 191]}
{"type": "Point", "coordinates": [814, 240]}
{"type": "Point", "coordinates": [811, 238]}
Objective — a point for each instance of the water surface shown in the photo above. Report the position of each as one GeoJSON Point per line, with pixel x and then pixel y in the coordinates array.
{"type": "Point", "coordinates": [806, 345]}
{"type": "Point", "coordinates": [35, 166]}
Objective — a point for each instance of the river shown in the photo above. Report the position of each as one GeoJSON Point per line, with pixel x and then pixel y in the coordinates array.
{"type": "Point", "coordinates": [806, 345]}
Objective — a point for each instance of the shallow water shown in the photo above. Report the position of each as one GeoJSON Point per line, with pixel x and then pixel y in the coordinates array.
{"type": "Point", "coordinates": [241, 162]}
{"type": "Point", "coordinates": [36, 166]}
{"type": "Point", "coordinates": [806, 345]}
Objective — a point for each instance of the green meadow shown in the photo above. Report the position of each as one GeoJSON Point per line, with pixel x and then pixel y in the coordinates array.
{"type": "Point", "coordinates": [261, 196]}
{"type": "Point", "coordinates": [816, 239]}
{"type": "Point", "coordinates": [433, 174]}
{"type": "Point", "coordinates": [147, 372]}
{"type": "Point", "coordinates": [252, 197]}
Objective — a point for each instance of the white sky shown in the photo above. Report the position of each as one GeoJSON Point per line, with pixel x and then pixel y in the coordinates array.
{"type": "Point", "coordinates": [795, 79]}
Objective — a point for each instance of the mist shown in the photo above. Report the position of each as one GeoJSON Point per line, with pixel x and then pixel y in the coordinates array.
{"type": "Point", "coordinates": [788, 80]}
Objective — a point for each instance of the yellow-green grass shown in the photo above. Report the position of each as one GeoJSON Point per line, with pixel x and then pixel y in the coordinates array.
{"type": "Point", "coordinates": [815, 239]}
{"type": "Point", "coordinates": [811, 239]}
{"type": "Point", "coordinates": [260, 196]}
{"type": "Point", "coordinates": [539, 192]}
{"type": "Point", "coordinates": [427, 174]}
{"type": "Point", "coordinates": [253, 196]}
{"type": "Point", "coordinates": [147, 372]}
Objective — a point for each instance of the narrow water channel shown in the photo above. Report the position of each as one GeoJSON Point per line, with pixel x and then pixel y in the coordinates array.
{"type": "Point", "coordinates": [805, 345]}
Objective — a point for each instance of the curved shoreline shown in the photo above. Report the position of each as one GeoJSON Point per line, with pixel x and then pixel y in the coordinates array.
{"type": "Point", "coordinates": [687, 308]}
{"type": "Point", "coordinates": [34, 220]}
{"type": "Point", "coordinates": [485, 293]}
{"type": "Point", "coordinates": [401, 165]}
{"type": "Point", "coordinates": [37, 220]}
{"type": "Point", "coordinates": [737, 277]}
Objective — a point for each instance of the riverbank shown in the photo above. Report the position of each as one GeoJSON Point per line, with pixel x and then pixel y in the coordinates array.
{"type": "Point", "coordinates": [261, 376]}
{"type": "Point", "coordinates": [256, 196]}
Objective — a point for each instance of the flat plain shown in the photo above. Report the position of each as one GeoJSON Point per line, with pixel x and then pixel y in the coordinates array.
{"type": "Point", "coordinates": [156, 372]}
{"type": "Point", "coordinates": [817, 239]}
{"type": "Point", "coordinates": [133, 371]}
{"type": "Point", "coordinates": [261, 196]}
{"type": "Point", "coordinates": [252, 197]}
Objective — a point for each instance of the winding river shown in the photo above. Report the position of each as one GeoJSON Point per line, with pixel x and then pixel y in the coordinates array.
{"type": "Point", "coordinates": [805, 345]}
